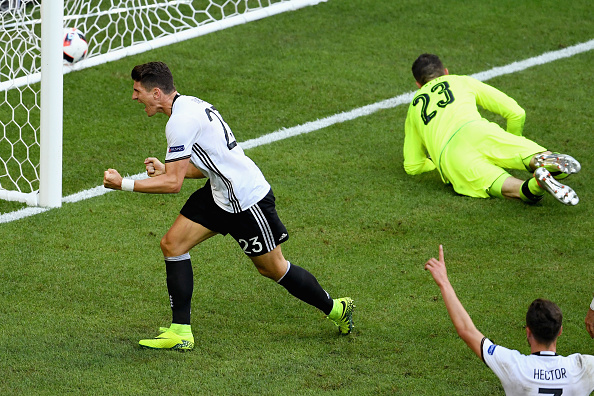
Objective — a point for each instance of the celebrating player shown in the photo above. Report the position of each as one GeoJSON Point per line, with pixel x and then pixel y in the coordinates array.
{"type": "Point", "coordinates": [445, 131]}
{"type": "Point", "coordinates": [542, 372]}
{"type": "Point", "coordinates": [236, 199]}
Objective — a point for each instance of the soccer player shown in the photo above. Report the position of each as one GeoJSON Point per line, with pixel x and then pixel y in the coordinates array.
{"type": "Point", "coordinates": [236, 199]}
{"type": "Point", "coordinates": [445, 131]}
{"type": "Point", "coordinates": [543, 372]}
{"type": "Point", "coordinates": [590, 320]}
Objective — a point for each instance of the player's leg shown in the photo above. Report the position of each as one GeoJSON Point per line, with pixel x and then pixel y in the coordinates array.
{"type": "Point", "coordinates": [183, 235]}
{"type": "Point", "coordinates": [509, 151]}
{"type": "Point", "coordinates": [533, 189]}
{"type": "Point", "coordinates": [507, 186]}
{"type": "Point", "coordinates": [474, 174]}
{"type": "Point", "coordinates": [548, 168]}
{"type": "Point", "coordinates": [259, 232]}
{"type": "Point", "coordinates": [517, 152]}
{"type": "Point", "coordinates": [303, 285]}
{"type": "Point", "coordinates": [195, 224]}
{"type": "Point", "coordinates": [298, 281]}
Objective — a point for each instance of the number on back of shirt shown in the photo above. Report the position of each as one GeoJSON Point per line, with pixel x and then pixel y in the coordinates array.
{"type": "Point", "coordinates": [548, 391]}
{"type": "Point", "coordinates": [229, 137]}
{"type": "Point", "coordinates": [444, 89]}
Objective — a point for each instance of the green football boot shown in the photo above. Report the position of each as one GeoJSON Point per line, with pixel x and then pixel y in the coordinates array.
{"type": "Point", "coordinates": [342, 314]}
{"type": "Point", "coordinates": [168, 339]}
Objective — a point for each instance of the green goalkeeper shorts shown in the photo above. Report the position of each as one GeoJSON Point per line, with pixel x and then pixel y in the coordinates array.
{"type": "Point", "coordinates": [480, 153]}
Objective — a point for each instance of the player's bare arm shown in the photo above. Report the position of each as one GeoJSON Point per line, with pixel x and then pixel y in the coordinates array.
{"type": "Point", "coordinates": [154, 167]}
{"type": "Point", "coordinates": [169, 182]}
{"type": "Point", "coordinates": [460, 318]}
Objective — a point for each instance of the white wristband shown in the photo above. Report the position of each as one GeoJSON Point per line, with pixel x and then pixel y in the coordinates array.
{"type": "Point", "coordinates": [127, 185]}
{"type": "Point", "coordinates": [592, 305]}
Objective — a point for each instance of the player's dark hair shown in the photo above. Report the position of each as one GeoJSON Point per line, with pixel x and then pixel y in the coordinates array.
{"type": "Point", "coordinates": [154, 74]}
{"type": "Point", "coordinates": [427, 67]}
{"type": "Point", "coordinates": [544, 318]}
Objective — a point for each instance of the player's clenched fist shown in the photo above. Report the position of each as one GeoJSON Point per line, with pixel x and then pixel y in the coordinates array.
{"type": "Point", "coordinates": [154, 167]}
{"type": "Point", "coordinates": [112, 179]}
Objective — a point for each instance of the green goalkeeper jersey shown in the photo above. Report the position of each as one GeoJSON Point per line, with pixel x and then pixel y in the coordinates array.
{"type": "Point", "coordinates": [441, 108]}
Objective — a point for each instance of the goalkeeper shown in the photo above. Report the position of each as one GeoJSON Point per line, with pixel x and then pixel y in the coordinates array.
{"type": "Point", "coordinates": [445, 131]}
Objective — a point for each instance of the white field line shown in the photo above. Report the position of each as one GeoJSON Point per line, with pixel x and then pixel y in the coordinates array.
{"type": "Point", "coordinates": [312, 126]}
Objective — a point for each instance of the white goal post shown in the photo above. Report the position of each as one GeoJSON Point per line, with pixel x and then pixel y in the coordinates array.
{"type": "Point", "coordinates": [31, 69]}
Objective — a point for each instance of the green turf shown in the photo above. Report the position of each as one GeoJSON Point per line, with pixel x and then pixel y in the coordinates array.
{"type": "Point", "coordinates": [83, 283]}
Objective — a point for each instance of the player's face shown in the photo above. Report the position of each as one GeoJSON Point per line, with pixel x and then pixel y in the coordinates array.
{"type": "Point", "coordinates": [147, 98]}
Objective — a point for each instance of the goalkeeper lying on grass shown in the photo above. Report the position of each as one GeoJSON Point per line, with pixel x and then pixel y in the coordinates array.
{"type": "Point", "coordinates": [445, 131]}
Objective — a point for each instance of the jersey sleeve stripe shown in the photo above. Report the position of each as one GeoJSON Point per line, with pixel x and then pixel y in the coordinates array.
{"type": "Point", "coordinates": [177, 159]}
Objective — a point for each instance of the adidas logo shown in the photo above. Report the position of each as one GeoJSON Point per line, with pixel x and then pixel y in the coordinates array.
{"type": "Point", "coordinates": [283, 236]}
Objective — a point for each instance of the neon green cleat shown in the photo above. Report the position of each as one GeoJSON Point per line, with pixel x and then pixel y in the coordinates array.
{"type": "Point", "coordinates": [342, 314]}
{"type": "Point", "coordinates": [169, 340]}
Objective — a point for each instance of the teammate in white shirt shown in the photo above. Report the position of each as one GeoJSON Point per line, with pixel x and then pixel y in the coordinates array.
{"type": "Point", "coordinates": [236, 199]}
{"type": "Point", "coordinates": [541, 373]}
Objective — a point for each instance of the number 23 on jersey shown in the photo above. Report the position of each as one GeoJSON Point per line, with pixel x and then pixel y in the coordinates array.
{"type": "Point", "coordinates": [442, 88]}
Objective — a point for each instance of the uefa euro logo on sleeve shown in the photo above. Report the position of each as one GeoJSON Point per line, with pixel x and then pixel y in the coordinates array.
{"type": "Point", "coordinates": [175, 149]}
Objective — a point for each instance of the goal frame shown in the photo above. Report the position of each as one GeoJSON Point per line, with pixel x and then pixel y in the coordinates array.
{"type": "Point", "coordinates": [51, 74]}
{"type": "Point", "coordinates": [51, 104]}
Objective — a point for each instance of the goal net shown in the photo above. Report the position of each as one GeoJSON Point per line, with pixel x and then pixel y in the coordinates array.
{"type": "Point", "coordinates": [114, 29]}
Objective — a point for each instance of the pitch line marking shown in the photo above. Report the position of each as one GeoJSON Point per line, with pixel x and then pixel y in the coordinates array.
{"type": "Point", "coordinates": [312, 126]}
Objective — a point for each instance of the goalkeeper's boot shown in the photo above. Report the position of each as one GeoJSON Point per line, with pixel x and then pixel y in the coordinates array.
{"type": "Point", "coordinates": [342, 314]}
{"type": "Point", "coordinates": [560, 165]}
{"type": "Point", "coordinates": [563, 193]}
{"type": "Point", "coordinates": [169, 339]}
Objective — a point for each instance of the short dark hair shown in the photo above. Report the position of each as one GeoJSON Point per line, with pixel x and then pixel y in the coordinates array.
{"type": "Point", "coordinates": [544, 318]}
{"type": "Point", "coordinates": [427, 67]}
{"type": "Point", "coordinates": [154, 74]}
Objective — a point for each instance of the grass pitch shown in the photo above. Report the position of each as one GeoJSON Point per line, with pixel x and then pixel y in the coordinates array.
{"type": "Point", "coordinates": [82, 284]}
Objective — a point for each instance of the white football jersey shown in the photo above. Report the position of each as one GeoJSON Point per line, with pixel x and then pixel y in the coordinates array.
{"type": "Point", "coordinates": [543, 373]}
{"type": "Point", "coordinates": [197, 131]}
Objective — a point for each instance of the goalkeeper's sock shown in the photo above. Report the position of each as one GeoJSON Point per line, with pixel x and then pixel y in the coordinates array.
{"type": "Point", "coordinates": [303, 285]}
{"type": "Point", "coordinates": [558, 175]}
{"type": "Point", "coordinates": [526, 161]}
{"type": "Point", "coordinates": [180, 285]}
{"type": "Point", "coordinates": [495, 189]}
{"type": "Point", "coordinates": [530, 191]}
